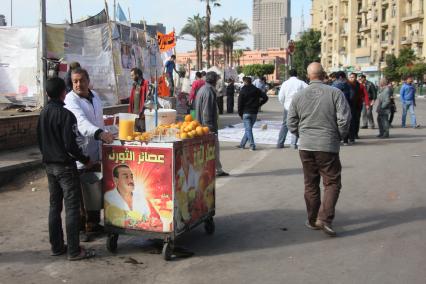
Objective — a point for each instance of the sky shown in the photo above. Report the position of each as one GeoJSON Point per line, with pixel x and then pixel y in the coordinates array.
{"type": "Point", "coordinates": [171, 13]}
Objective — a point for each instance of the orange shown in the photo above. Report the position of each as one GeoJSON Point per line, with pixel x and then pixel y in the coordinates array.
{"type": "Point", "coordinates": [206, 130]}
{"type": "Point", "coordinates": [194, 133]}
{"type": "Point", "coordinates": [129, 138]}
{"type": "Point", "coordinates": [190, 127]}
{"type": "Point", "coordinates": [184, 135]}
{"type": "Point", "coordinates": [188, 118]}
{"type": "Point", "coordinates": [199, 131]}
{"type": "Point", "coordinates": [190, 134]}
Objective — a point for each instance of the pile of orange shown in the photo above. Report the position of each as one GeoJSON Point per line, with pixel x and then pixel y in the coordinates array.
{"type": "Point", "coordinates": [192, 128]}
{"type": "Point", "coordinates": [184, 130]}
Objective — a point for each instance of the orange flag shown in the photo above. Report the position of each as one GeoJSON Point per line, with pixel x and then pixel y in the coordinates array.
{"type": "Point", "coordinates": [166, 41]}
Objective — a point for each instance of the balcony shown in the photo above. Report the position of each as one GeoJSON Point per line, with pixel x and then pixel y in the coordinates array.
{"type": "Point", "coordinates": [405, 40]}
{"type": "Point", "coordinates": [364, 28]}
{"type": "Point", "coordinates": [413, 16]}
{"type": "Point", "coordinates": [417, 39]}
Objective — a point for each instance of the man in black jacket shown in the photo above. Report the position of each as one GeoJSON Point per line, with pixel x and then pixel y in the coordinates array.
{"type": "Point", "coordinates": [57, 134]}
{"type": "Point", "coordinates": [249, 102]}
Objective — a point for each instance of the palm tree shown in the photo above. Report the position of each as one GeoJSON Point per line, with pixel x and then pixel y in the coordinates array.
{"type": "Point", "coordinates": [237, 55]}
{"type": "Point", "coordinates": [215, 44]}
{"type": "Point", "coordinates": [195, 28]}
{"type": "Point", "coordinates": [208, 16]}
{"type": "Point", "coordinates": [229, 32]}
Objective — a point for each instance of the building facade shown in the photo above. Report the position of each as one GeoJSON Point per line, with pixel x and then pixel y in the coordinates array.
{"type": "Point", "coordinates": [276, 56]}
{"type": "Point", "coordinates": [271, 23]}
{"type": "Point", "coordinates": [358, 34]}
{"type": "Point", "coordinates": [150, 29]}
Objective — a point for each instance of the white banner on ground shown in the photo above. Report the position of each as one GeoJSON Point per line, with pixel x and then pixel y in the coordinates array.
{"type": "Point", "coordinates": [267, 136]}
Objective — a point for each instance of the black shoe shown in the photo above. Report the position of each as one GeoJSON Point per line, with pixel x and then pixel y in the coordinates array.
{"type": "Point", "coordinates": [60, 252]}
{"type": "Point", "coordinates": [326, 228]}
{"type": "Point", "coordinates": [280, 146]}
{"type": "Point", "coordinates": [240, 147]}
{"type": "Point", "coordinates": [364, 127]}
{"type": "Point", "coordinates": [311, 225]}
{"type": "Point", "coordinates": [379, 136]}
{"type": "Point", "coordinates": [222, 174]}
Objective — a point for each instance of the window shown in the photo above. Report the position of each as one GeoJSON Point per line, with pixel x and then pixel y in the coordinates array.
{"type": "Point", "coordinates": [359, 42]}
{"type": "Point", "coordinates": [363, 60]}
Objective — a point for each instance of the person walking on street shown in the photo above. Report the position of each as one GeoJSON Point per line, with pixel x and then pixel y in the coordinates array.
{"type": "Point", "coordinates": [220, 91]}
{"type": "Point", "coordinates": [287, 91]}
{"type": "Point", "coordinates": [169, 67]}
{"type": "Point", "coordinates": [342, 84]}
{"type": "Point", "coordinates": [359, 97]}
{"type": "Point", "coordinates": [57, 139]}
{"type": "Point", "coordinates": [250, 100]}
{"type": "Point", "coordinates": [230, 92]}
{"type": "Point", "coordinates": [196, 85]}
{"type": "Point", "coordinates": [207, 114]}
{"type": "Point", "coordinates": [137, 97]}
{"type": "Point", "coordinates": [320, 116]}
{"type": "Point", "coordinates": [367, 113]}
{"type": "Point", "coordinates": [86, 105]}
{"type": "Point", "coordinates": [260, 83]}
{"type": "Point", "coordinates": [384, 108]}
{"type": "Point", "coordinates": [408, 100]}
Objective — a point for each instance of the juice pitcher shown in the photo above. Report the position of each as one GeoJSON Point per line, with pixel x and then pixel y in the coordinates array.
{"type": "Point", "coordinates": [126, 124]}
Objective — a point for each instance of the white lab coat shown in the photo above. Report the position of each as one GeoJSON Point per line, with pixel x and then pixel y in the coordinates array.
{"type": "Point", "coordinates": [89, 120]}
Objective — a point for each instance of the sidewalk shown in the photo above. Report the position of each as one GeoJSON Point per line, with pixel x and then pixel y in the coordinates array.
{"type": "Point", "coordinates": [16, 161]}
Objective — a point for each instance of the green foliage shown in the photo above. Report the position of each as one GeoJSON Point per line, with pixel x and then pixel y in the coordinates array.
{"type": "Point", "coordinates": [258, 70]}
{"type": "Point", "coordinates": [239, 69]}
{"type": "Point", "coordinates": [391, 70]}
{"type": "Point", "coordinates": [405, 64]}
{"type": "Point", "coordinates": [308, 50]}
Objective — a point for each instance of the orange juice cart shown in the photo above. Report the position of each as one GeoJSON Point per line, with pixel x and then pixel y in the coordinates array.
{"type": "Point", "coordinates": [158, 189]}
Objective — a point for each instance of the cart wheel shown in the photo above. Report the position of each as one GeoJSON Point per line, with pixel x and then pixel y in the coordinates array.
{"type": "Point", "coordinates": [167, 251]}
{"type": "Point", "coordinates": [112, 243]}
{"type": "Point", "coordinates": [209, 226]}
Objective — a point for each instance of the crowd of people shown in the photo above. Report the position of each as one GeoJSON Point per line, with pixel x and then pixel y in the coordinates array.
{"type": "Point", "coordinates": [321, 115]}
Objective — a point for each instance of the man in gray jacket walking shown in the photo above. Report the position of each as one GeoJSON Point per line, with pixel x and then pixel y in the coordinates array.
{"type": "Point", "coordinates": [384, 108]}
{"type": "Point", "coordinates": [206, 110]}
{"type": "Point", "coordinates": [320, 117]}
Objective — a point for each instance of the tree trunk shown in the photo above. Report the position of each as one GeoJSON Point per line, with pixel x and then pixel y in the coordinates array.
{"type": "Point", "coordinates": [231, 51]}
{"type": "Point", "coordinates": [201, 56]}
{"type": "Point", "coordinates": [224, 54]}
{"type": "Point", "coordinates": [213, 56]}
{"type": "Point", "coordinates": [197, 52]}
{"type": "Point", "coordinates": [208, 32]}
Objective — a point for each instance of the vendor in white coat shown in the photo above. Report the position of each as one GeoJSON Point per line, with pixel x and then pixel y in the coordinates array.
{"type": "Point", "coordinates": [86, 105]}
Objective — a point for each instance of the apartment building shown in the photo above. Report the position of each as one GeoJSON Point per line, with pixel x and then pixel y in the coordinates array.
{"type": "Point", "coordinates": [271, 23]}
{"type": "Point", "coordinates": [358, 34]}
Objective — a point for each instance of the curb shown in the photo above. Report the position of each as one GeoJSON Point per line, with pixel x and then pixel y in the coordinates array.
{"type": "Point", "coordinates": [7, 173]}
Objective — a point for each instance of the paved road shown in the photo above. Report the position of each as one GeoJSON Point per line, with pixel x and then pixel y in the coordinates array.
{"type": "Point", "coordinates": [260, 237]}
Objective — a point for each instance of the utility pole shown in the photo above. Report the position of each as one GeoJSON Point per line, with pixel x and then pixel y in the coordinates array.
{"type": "Point", "coordinates": [115, 11]}
{"type": "Point", "coordinates": [11, 13]}
{"type": "Point", "coordinates": [43, 51]}
{"type": "Point", "coordinates": [70, 12]}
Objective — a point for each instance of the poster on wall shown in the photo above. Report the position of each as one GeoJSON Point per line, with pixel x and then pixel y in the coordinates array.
{"type": "Point", "coordinates": [137, 183]}
{"type": "Point", "coordinates": [194, 183]}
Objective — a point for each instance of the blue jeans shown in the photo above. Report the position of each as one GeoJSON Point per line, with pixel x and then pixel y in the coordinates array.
{"type": "Point", "coordinates": [408, 105]}
{"type": "Point", "coordinates": [64, 186]}
{"type": "Point", "coordinates": [248, 120]}
{"type": "Point", "coordinates": [283, 132]}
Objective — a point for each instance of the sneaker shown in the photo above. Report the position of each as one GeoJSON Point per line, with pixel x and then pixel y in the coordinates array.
{"type": "Point", "coordinates": [417, 126]}
{"type": "Point", "coordinates": [326, 228]}
{"type": "Point", "coordinates": [240, 147]}
{"type": "Point", "coordinates": [253, 149]}
{"type": "Point", "coordinates": [60, 252]}
{"type": "Point", "coordinates": [311, 225]}
{"type": "Point", "coordinates": [222, 174]}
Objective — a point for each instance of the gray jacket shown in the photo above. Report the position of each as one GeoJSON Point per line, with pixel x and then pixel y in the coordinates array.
{"type": "Point", "coordinates": [384, 100]}
{"type": "Point", "coordinates": [320, 116]}
{"type": "Point", "coordinates": [206, 107]}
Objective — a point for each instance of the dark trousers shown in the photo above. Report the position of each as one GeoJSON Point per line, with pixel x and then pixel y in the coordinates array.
{"type": "Point", "coordinates": [64, 185]}
{"type": "Point", "coordinates": [230, 104]}
{"type": "Point", "coordinates": [220, 104]}
{"type": "Point", "coordinates": [354, 127]}
{"type": "Point", "coordinates": [89, 218]}
{"type": "Point", "coordinates": [383, 122]}
{"type": "Point", "coordinates": [315, 166]}
{"type": "Point", "coordinates": [367, 116]}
